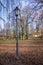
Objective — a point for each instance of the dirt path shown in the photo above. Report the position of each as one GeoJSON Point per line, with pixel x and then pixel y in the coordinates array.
{"type": "Point", "coordinates": [29, 54]}
{"type": "Point", "coordinates": [22, 47]}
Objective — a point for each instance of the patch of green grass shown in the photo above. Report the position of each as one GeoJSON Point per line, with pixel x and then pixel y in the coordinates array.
{"type": "Point", "coordinates": [7, 41]}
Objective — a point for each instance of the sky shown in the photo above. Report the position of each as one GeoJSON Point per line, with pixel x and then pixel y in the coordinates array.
{"type": "Point", "coordinates": [23, 4]}
{"type": "Point", "coordinates": [3, 14]}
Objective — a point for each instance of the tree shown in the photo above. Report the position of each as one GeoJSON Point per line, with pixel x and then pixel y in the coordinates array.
{"type": "Point", "coordinates": [22, 26]}
{"type": "Point", "coordinates": [39, 1]}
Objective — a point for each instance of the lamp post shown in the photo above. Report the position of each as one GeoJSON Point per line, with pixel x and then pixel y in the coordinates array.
{"type": "Point", "coordinates": [17, 11]}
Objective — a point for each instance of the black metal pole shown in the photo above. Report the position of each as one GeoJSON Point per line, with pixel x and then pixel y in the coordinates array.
{"type": "Point", "coordinates": [16, 37]}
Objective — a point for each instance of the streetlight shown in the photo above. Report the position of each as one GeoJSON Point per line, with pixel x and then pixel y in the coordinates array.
{"type": "Point", "coordinates": [17, 12]}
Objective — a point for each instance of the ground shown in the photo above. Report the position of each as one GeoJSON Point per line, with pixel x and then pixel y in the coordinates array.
{"type": "Point", "coordinates": [29, 54]}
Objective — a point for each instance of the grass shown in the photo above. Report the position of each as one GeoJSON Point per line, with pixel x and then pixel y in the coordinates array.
{"type": "Point", "coordinates": [21, 41]}
{"type": "Point", "coordinates": [7, 41]}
